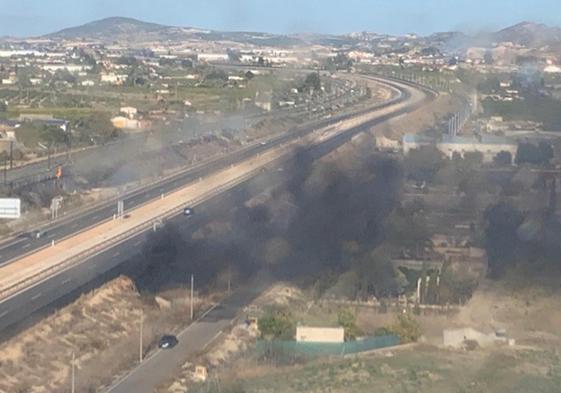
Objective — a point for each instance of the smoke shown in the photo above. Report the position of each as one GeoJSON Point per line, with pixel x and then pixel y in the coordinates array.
{"type": "Point", "coordinates": [301, 227]}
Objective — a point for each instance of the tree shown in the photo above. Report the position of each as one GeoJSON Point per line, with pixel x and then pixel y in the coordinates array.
{"type": "Point", "coordinates": [347, 320]}
{"type": "Point", "coordinates": [187, 63]}
{"type": "Point", "coordinates": [488, 57]}
{"type": "Point", "coordinates": [96, 125]}
{"type": "Point", "coordinates": [546, 152]}
{"type": "Point", "coordinates": [234, 56]}
{"type": "Point", "coordinates": [501, 238]}
{"type": "Point", "coordinates": [422, 164]}
{"type": "Point", "coordinates": [408, 231]}
{"type": "Point", "coordinates": [376, 274]}
{"type": "Point", "coordinates": [52, 135]}
{"type": "Point", "coordinates": [127, 60]}
{"type": "Point", "coordinates": [64, 76]}
{"type": "Point", "coordinates": [528, 153]}
{"type": "Point", "coordinates": [503, 158]}
{"type": "Point", "coordinates": [407, 328]}
{"type": "Point", "coordinates": [277, 323]}
{"type": "Point", "coordinates": [311, 83]}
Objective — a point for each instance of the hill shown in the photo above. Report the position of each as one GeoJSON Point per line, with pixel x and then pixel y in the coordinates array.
{"type": "Point", "coordinates": [529, 34]}
{"type": "Point", "coordinates": [109, 28]}
{"type": "Point", "coordinates": [133, 30]}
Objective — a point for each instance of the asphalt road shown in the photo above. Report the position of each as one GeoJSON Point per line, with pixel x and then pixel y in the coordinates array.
{"type": "Point", "coordinates": [163, 364]}
{"type": "Point", "coordinates": [154, 370]}
{"type": "Point", "coordinates": [39, 297]}
{"type": "Point", "coordinates": [66, 226]}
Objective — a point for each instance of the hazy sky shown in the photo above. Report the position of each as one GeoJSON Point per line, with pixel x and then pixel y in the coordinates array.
{"type": "Point", "coordinates": [35, 17]}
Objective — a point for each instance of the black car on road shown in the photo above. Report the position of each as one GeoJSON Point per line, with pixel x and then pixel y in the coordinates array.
{"type": "Point", "coordinates": [167, 341]}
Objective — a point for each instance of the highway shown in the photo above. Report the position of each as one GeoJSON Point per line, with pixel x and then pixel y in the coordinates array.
{"type": "Point", "coordinates": [47, 294]}
{"type": "Point", "coordinates": [66, 226]}
{"type": "Point", "coordinates": [29, 301]}
{"type": "Point", "coordinates": [163, 364]}
{"type": "Point", "coordinates": [43, 169]}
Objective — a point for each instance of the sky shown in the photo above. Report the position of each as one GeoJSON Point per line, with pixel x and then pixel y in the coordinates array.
{"type": "Point", "coordinates": [37, 17]}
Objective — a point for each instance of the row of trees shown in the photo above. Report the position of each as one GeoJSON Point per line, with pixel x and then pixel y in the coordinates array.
{"type": "Point", "coordinates": [428, 164]}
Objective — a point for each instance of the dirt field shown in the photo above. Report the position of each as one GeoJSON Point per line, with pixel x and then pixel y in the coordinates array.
{"type": "Point", "coordinates": [101, 328]}
{"type": "Point", "coordinates": [419, 369]}
{"type": "Point", "coordinates": [421, 119]}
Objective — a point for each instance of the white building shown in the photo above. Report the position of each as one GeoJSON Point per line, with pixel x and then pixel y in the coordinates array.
{"type": "Point", "coordinates": [488, 145]}
{"type": "Point", "coordinates": [320, 334]}
{"type": "Point", "coordinates": [73, 68]}
{"type": "Point", "coordinates": [213, 57]}
{"type": "Point", "coordinates": [130, 111]}
{"type": "Point", "coordinates": [115, 79]}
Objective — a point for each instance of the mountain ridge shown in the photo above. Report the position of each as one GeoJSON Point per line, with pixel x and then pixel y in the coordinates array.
{"type": "Point", "coordinates": [118, 28]}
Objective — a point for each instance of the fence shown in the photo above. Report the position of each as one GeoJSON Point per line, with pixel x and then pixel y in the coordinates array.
{"type": "Point", "coordinates": [306, 349]}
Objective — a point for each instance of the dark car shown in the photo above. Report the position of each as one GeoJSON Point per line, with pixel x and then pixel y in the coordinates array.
{"type": "Point", "coordinates": [188, 211]}
{"type": "Point", "coordinates": [167, 341]}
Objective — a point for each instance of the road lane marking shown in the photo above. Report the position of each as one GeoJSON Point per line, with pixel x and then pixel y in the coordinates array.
{"type": "Point", "coordinates": [212, 340]}
{"type": "Point", "coordinates": [4, 314]}
{"type": "Point", "coordinates": [136, 243]}
{"type": "Point", "coordinates": [157, 352]}
{"type": "Point", "coordinates": [116, 254]}
{"type": "Point", "coordinates": [34, 297]}
{"type": "Point", "coordinates": [66, 281]}
{"type": "Point", "coordinates": [26, 246]}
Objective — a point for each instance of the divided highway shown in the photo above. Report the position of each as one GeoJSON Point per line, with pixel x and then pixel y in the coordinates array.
{"type": "Point", "coordinates": [16, 308]}
{"type": "Point", "coordinates": [156, 369]}
{"type": "Point", "coordinates": [67, 226]}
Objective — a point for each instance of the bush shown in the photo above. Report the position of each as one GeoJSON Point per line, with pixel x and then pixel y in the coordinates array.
{"type": "Point", "coordinates": [407, 328]}
{"type": "Point", "coordinates": [347, 320]}
{"type": "Point", "coordinates": [382, 331]}
{"type": "Point", "coordinates": [277, 323]}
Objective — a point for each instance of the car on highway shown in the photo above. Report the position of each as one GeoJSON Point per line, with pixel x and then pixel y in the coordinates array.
{"type": "Point", "coordinates": [188, 211]}
{"type": "Point", "coordinates": [37, 234]}
{"type": "Point", "coordinates": [167, 341]}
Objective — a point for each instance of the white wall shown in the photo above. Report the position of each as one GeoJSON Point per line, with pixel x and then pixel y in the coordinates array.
{"type": "Point", "coordinates": [320, 334]}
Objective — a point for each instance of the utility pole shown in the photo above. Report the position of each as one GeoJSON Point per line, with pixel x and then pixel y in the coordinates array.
{"type": "Point", "coordinates": [11, 154]}
{"type": "Point", "coordinates": [191, 300]}
{"type": "Point", "coordinates": [73, 372]}
{"type": "Point", "coordinates": [140, 346]}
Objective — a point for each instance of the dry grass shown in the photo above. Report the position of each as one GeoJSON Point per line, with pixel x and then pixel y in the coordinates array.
{"type": "Point", "coordinates": [102, 329]}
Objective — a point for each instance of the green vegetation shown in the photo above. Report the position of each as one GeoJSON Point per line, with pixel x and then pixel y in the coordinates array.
{"type": "Point", "coordinates": [426, 369]}
{"type": "Point", "coordinates": [542, 109]}
{"type": "Point", "coordinates": [347, 320]}
{"type": "Point", "coordinates": [277, 323]}
{"type": "Point", "coordinates": [529, 153]}
{"type": "Point", "coordinates": [312, 83]}
{"type": "Point", "coordinates": [406, 328]}
{"type": "Point", "coordinates": [423, 163]}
